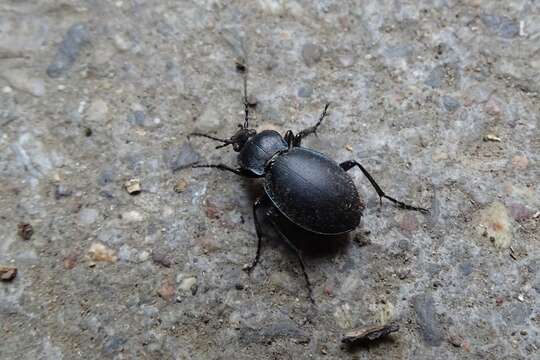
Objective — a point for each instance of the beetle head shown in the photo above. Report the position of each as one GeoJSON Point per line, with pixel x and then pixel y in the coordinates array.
{"type": "Point", "coordinates": [239, 139]}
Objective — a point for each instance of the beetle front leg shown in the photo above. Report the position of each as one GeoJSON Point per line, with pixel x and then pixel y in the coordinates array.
{"type": "Point", "coordinates": [347, 165]}
{"type": "Point", "coordinates": [310, 130]}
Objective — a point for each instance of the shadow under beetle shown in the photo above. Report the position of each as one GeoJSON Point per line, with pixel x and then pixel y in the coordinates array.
{"type": "Point", "coordinates": [307, 187]}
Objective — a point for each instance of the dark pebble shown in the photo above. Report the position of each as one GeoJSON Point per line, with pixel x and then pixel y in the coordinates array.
{"type": "Point", "coordinates": [369, 333]}
{"type": "Point", "coordinates": [7, 273]}
{"type": "Point", "coordinates": [239, 287]}
{"type": "Point", "coordinates": [60, 191]}
{"type": "Point", "coordinates": [75, 39]}
{"type": "Point", "coordinates": [25, 231]}
{"type": "Point", "coordinates": [450, 104]}
{"type": "Point", "coordinates": [161, 259]}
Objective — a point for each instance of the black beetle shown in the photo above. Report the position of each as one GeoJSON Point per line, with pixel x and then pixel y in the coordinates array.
{"type": "Point", "coordinates": [311, 190]}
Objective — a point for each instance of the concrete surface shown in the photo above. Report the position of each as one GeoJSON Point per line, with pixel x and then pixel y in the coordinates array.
{"type": "Point", "coordinates": [438, 99]}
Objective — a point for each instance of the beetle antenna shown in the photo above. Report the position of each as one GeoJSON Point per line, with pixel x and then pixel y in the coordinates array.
{"type": "Point", "coordinates": [241, 66]}
{"type": "Point", "coordinates": [224, 141]}
{"type": "Point", "coordinates": [246, 105]}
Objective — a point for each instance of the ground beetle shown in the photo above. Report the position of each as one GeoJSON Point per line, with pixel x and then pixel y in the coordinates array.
{"type": "Point", "coordinates": [311, 190]}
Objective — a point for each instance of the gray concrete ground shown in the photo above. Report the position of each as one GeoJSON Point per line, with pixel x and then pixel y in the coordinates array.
{"type": "Point", "coordinates": [438, 99]}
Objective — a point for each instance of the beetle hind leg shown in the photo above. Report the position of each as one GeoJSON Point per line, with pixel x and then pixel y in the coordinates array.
{"type": "Point", "coordinates": [347, 165]}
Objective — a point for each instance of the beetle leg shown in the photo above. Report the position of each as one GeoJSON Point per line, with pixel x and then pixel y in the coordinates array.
{"type": "Point", "coordinates": [289, 138]}
{"type": "Point", "coordinates": [298, 254]}
{"type": "Point", "coordinates": [223, 167]}
{"type": "Point", "coordinates": [256, 205]}
{"type": "Point", "coordinates": [347, 165]}
{"type": "Point", "coordinates": [310, 130]}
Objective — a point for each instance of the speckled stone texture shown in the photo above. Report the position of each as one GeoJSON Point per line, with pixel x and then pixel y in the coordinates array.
{"type": "Point", "coordinates": [438, 99]}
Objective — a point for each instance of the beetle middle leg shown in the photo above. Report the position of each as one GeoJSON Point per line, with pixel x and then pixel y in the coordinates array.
{"type": "Point", "coordinates": [347, 165]}
{"type": "Point", "coordinates": [298, 254]}
{"type": "Point", "coordinates": [256, 206]}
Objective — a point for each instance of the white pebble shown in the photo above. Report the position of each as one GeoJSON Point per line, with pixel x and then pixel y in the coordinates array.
{"type": "Point", "coordinates": [132, 216]}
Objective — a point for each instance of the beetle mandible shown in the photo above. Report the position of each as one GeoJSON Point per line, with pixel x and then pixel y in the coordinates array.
{"type": "Point", "coordinates": [307, 187]}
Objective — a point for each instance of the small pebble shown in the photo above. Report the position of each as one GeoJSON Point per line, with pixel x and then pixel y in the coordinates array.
{"type": "Point", "coordinates": [25, 231]}
{"type": "Point", "coordinates": [101, 253]}
{"type": "Point", "coordinates": [121, 43]}
{"type": "Point", "coordinates": [161, 259]}
{"type": "Point", "coordinates": [455, 340]}
{"type": "Point", "coordinates": [188, 283]}
{"type": "Point", "coordinates": [70, 261]}
{"type": "Point", "coordinates": [494, 223]}
{"type": "Point", "coordinates": [492, 137]}
{"type": "Point", "coordinates": [144, 255]}
{"type": "Point", "coordinates": [239, 286]}
{"type": "Point", "coordinates": [361, 239]}
{"type": "Point", "coordinates": [369, 333]}
{"type": "Point", "coordinates": [133, 186]}
{"type": "Point", "coordinates": [311, 54]}
{"type": "Point", "coordinates": [167, 291]}
{"type": "Point", "coordinates": [60, 191]}
{"type": "Point", "coordinates": [450, 104]}
{"type": "Point", "coordinates": [492, 107]}
{"type": "Point", "coordinates": [346, 60]}
{"type": "Point", "coordinates": [7, 273]}
{"type": "Point", "coordinates": [97, 111]}
{"type": "Point", "coordinates": [180, 186]}
{"type": "Point", "coordinates": [132, 216]}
